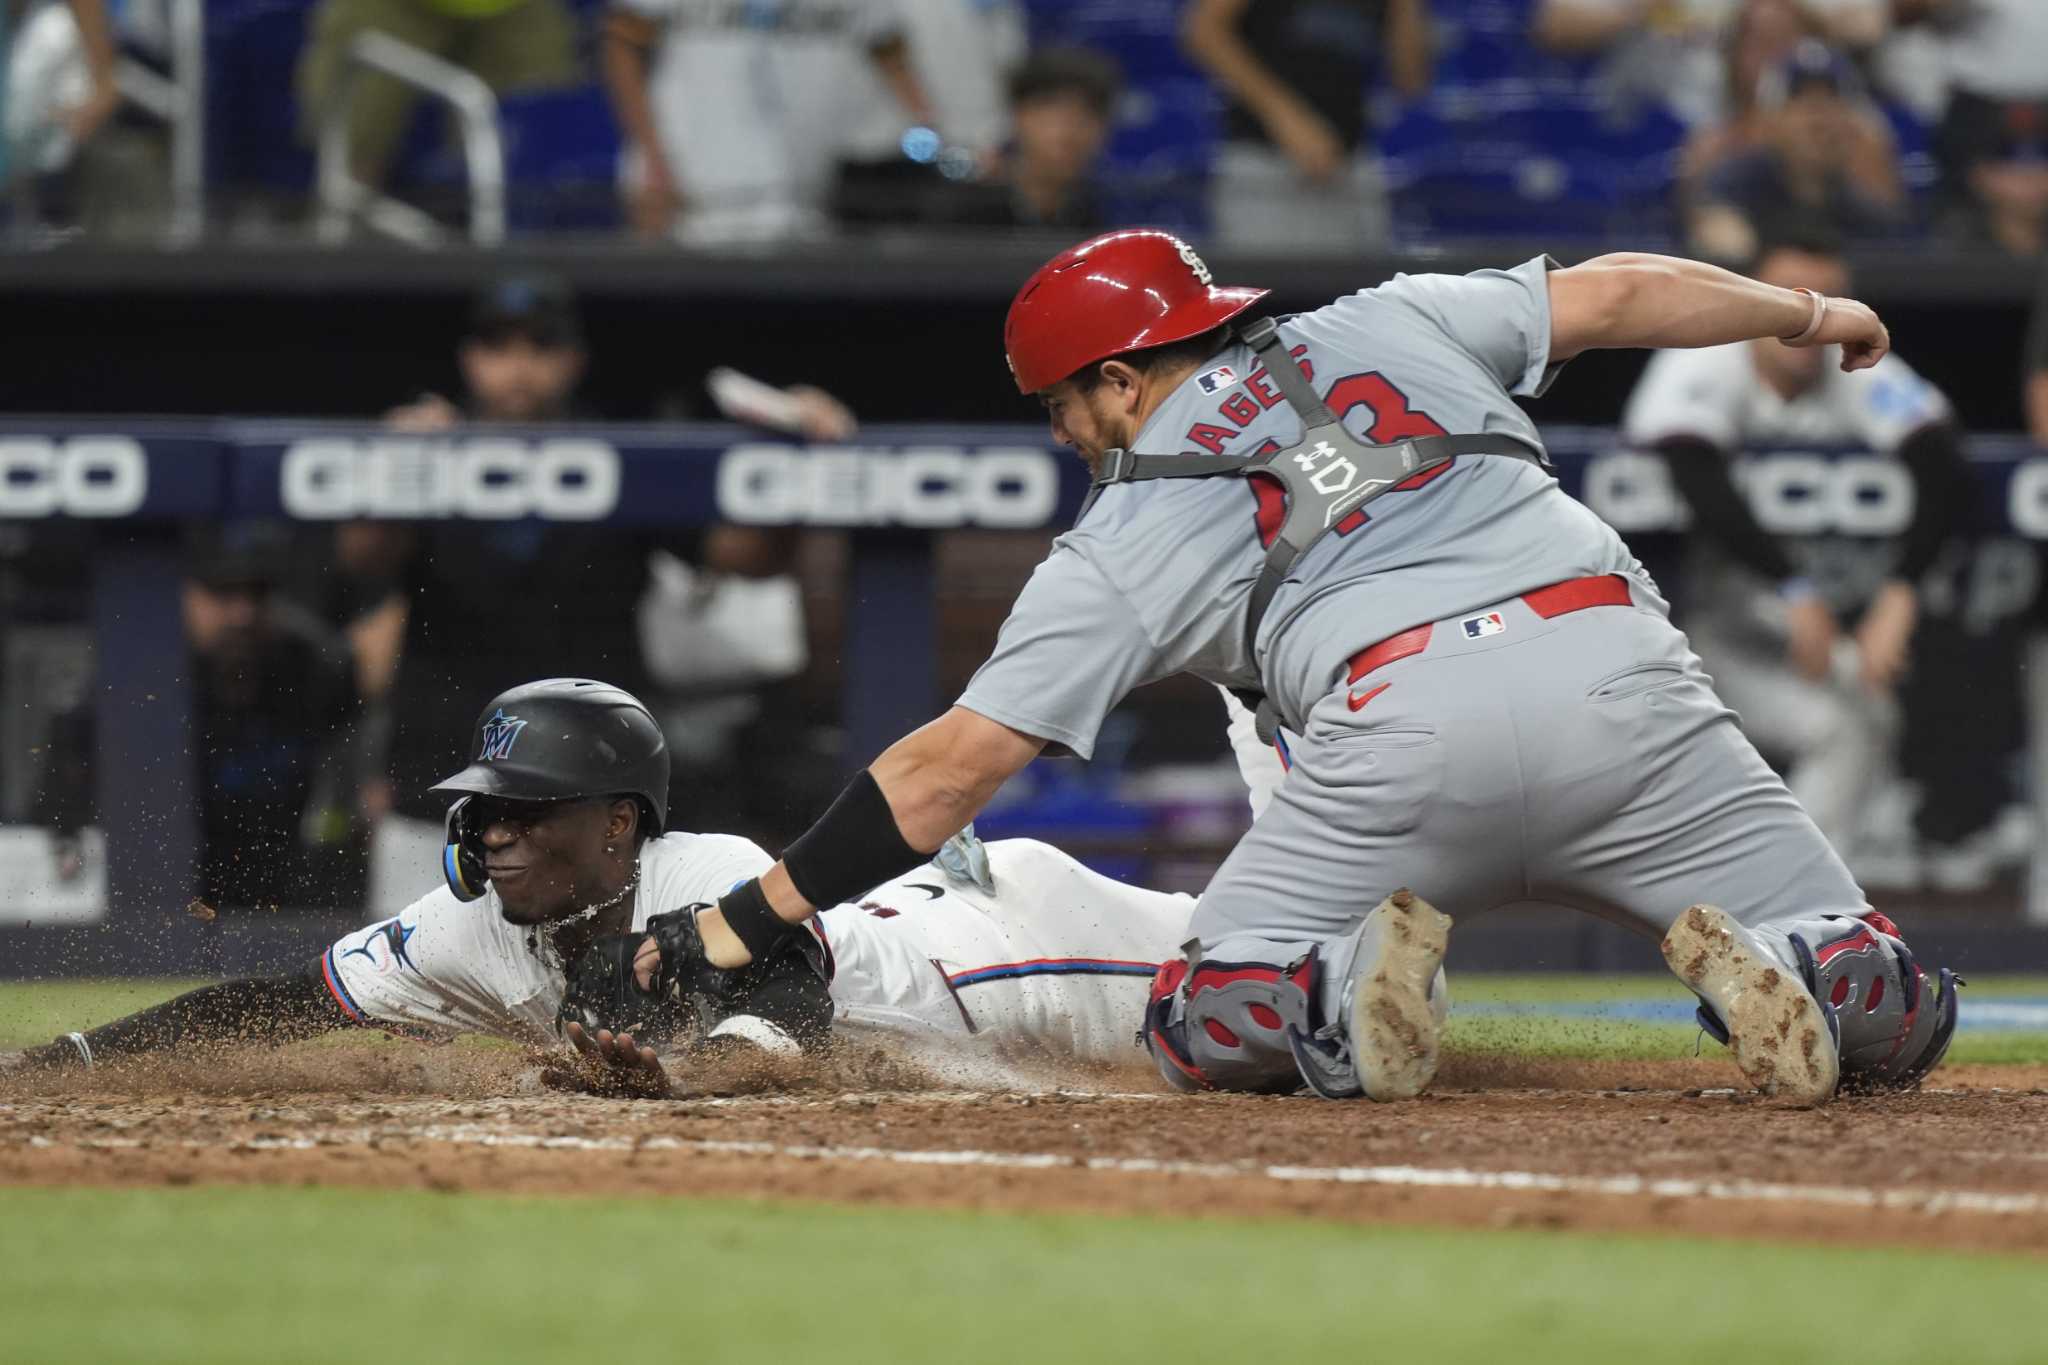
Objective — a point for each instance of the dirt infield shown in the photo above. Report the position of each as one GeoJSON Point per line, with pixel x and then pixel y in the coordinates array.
{"type": "Point", "coordinates": [1638, 1146]}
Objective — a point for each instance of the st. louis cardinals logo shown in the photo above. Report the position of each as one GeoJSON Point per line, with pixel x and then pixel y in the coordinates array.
{"type": "Point", "coordinates": [501, 732]}
{"type": "Point", "coordinates": [1193, 262]}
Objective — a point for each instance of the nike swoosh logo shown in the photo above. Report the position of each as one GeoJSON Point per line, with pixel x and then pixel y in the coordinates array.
{"type": "Point", "coordinates": [1357, 700]}
{"type": "Point", "coordinates": [933, 891]}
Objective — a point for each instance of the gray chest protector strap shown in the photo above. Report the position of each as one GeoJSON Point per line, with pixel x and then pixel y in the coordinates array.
{"type": "Point", "coordinates": [1327, 475]}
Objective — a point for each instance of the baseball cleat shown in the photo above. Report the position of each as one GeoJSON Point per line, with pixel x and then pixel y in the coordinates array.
{"type": "Point", "coordinates": [1776, 1029]}
{"type": "Point", "coordinates": [1394, 1025]}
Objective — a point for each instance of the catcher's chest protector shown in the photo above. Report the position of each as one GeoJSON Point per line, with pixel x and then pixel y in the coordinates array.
{"type": "Point", "coordinates": [1327, 475]}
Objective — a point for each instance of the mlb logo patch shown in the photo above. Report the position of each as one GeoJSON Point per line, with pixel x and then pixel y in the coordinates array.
{"type": "Point", "coordinates": [1216, 380]}
{"type": "Point", "coordinates": [1483, 625]}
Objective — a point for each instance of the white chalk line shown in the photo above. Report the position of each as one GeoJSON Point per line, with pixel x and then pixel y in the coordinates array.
{"type": "Point", "coordinates": [1927, 1202]}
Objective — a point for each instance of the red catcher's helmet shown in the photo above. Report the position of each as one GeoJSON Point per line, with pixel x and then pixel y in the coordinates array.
{"type": "Point", "coordinates": [1114, 293]}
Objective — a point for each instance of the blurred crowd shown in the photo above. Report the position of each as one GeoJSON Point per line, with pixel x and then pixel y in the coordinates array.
{"type": "Point", "coordinates": [1280, 125]}
{"type": "Point", "coordinates": [337, 669]}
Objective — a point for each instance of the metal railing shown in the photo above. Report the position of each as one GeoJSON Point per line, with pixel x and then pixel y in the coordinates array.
{"type": "Point", "coordinates": [179, 99]}
{"type": "Point", "coordinates": [345, 199]}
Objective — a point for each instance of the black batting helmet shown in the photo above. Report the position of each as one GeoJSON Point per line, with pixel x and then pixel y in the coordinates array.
{"type": "Point", "coordinates": [559, 739]}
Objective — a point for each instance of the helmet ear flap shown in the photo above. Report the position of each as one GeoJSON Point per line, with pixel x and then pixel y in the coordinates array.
{"type": "Point", "coordinates": [462, 856]}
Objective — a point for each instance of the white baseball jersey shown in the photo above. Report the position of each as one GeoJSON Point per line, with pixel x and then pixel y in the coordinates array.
{"type": "Point", "coordinates": [1057, 960]}
{"type": "Point", "coordinates": [1715, 394]}
{"type": "Point", "coordinates": [450, 964]}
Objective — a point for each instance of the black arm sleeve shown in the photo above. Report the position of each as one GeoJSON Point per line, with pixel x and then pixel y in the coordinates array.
{"type": "Point", "coordinates": [1941, 491]}
{"type": "Point", "coordinates": [257, 1009]}
{"type": "Point", "coordinates": [1700, 473]}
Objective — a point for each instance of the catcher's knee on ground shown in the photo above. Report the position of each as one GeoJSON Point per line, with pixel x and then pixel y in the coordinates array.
{"type": "Point", "coordinates": [1891, 1019]}
{"type": "Point", "coordinates": [1215, 1025]}
{"type": "Point", "coordinates": [1223, 1025]}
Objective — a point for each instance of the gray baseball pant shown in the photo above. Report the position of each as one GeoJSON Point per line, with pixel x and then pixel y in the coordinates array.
{"type": "Point", "coordinates": [1582, 760]}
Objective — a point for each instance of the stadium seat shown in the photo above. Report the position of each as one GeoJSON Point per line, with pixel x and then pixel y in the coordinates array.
{"type": "Point", "coordinates": [252, 54]}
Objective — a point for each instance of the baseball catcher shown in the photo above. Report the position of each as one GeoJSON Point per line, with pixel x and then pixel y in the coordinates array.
{"type": "Point", "coordinates": [1344, 514]}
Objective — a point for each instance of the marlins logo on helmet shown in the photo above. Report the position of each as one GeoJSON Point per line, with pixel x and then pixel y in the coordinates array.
{"type": "Point", "coordinates": [500, 733]}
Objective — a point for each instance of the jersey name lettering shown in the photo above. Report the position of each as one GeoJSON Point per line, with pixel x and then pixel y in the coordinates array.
{"type": "Point", "coordinates": [1242, 406]}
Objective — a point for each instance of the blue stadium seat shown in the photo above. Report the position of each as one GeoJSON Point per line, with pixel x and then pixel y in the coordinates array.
{"type": "Point", "coordinates": [252, 54]}
{"type": "Point", "coordinates": [561, 159]}
{"type": "Point", "coordinates": [1565, 169]}
{"type": "Point", "coordinates": [1158, 156]}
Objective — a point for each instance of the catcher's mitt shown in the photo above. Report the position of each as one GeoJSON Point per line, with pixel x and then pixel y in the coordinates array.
{"type": "Point", "coordinates": [689, 998]}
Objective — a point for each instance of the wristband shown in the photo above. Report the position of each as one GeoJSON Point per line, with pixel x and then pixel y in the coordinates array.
{"type": "Point", "coordinates": [1797, 589]}
{"type": "Point", "coordinates": [1820, 313]}
{"type": "Point", "coordinates": [854, 847]}
{"type": "Point", "coordinates": [754, 921]}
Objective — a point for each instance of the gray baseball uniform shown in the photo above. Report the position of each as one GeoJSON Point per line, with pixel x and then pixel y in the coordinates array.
{"type": "Point", "coordinates": [1579, 757]}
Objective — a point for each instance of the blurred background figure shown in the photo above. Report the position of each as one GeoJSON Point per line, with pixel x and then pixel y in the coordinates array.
{"type": "Point", "coordinates": [1993, 139]}
{"type": "Point", "coordinates": [1296, 171]}
{"type": "Point", "coordinates": [274, 702]}
{"type": "Point", "coordinates": [1061, 104]}
{"type": "Point", "coordinates": [961, 51]}
{"type": "Point", "coordinates": [443, 614]}
{"type": "Point", "coordinates": [1666, 52]}
{"type": "Point", "coordinates": [1815, 151]}
{"type": "Point", "coordinates": [736, 117]}
{"type": "Point", "coordinates": [56, 88]}
{"type": "Point", "coordinates": [511, 44]}
{"type": "Point", "coordinates": [1810, 635]}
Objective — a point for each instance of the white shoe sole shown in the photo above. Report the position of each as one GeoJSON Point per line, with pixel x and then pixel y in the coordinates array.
{"type": "Point", "coordinates": [1776, 1030]}
{"type": "Point", "coordinates": [1394, 1031]}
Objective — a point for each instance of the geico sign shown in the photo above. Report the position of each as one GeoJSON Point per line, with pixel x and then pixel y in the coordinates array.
{"type": "Point", "coordinates": [483, 478]}
{"type": "Point", "coordinates": [933, 486]}
{"type": "Point", "coordinates": [1791, 494]}
{"type": "Point", "coordinates": [79, 476]}
{"type": "Point", "coordinates": [2026, 499]}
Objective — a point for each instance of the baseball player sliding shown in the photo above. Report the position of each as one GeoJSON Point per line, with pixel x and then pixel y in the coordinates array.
{"type": "Point", "coordinates": [558, 867]}
{"type": "Point", "coordinates": [1345, 513]}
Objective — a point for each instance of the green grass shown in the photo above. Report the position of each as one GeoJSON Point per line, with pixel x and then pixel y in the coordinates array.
{"type": "Point", "coordinates": [308, 1275]}
{"type": "Point", "coordinates": [1622, 1039]}
{"type": "Point", "coordinates": [36, 1012]}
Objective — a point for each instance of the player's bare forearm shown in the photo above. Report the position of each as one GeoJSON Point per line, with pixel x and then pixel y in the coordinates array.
{"type": "Point", "coordinates": [938, 776]}
{"type": "Point", "coordinates": [1633, 299]}
{"type": "Point", "coordinates": [268, 1009]}
{"type": "Point", "coordinates": [1409, 48]}
{"type": "Point", "coordinates": [935, 780]}
{"type": "Point", "coordinates": [892, 64]}
{"type": "Point", "coordinates": [628, 38]}
{"type": "Point", "coordinates": [1208, 34]}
